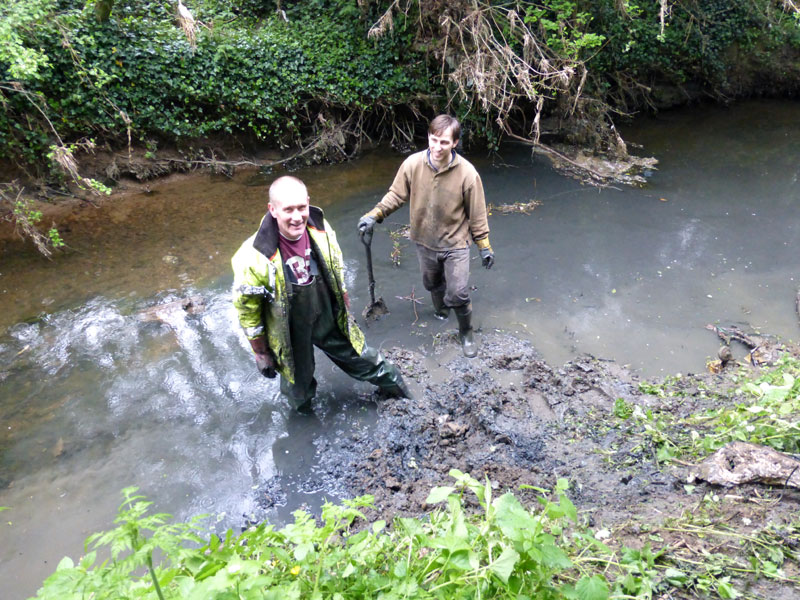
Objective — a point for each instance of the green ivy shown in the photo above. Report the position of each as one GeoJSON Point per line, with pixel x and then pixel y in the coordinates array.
{"type": "Point", "coordinates": [249, 78]}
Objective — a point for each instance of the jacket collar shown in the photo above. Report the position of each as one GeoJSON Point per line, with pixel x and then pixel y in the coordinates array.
{"type": "Point", "coordinates": [266, 240]}
{"type": "Point", "coordinates": [453, 161]}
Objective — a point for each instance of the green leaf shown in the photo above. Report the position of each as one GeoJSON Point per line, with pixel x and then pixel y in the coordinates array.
{"type": "Point", "coordinates": [726, 590]}
{"type": "Point", "coordinates": [504, 564]}
{"type": "Point", "coordinates": [460, 559]}
{"type": "Point", "coordinates": [676, 577]}
{"type": "Point", "coordinates": [569, 508]}
{"type": "Point", "coordinates": [592, 588]}
{"type": "Point", "coordinates": [439, 494]}
{"type": "Point", "coordinates": [303, 550]}
{"type": "Point", "coordinates": [400, 569]}
{"type": "Point", "coordinates": [514, 521]}
{"type": "Point", "coordinates": [553, 556]}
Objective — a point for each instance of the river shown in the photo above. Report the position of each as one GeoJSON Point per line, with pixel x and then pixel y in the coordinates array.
{"type": "Point", "coordinates": [95, 395]}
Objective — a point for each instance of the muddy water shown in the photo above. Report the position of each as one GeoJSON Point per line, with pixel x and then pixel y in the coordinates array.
{"type": "Point", "coordinates": [97, 395]}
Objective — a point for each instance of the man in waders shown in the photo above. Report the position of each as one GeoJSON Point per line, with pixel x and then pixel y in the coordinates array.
{"type": "Point", "coordinates": [289, 293]}
{"type": "Point", "coordinates": [447, 208]}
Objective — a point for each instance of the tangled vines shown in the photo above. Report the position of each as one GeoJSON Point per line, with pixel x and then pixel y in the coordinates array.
{"type": "Point", "coordinates": [507, 64]}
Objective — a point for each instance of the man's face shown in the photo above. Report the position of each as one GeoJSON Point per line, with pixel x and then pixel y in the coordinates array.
{"type": "Point", "coordinates": [441, 145]}
{"type": "Point", "coordinates": [291, 213]}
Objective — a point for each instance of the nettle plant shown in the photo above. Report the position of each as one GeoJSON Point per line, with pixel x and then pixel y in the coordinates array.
{"type": "Point", "coordinates": [503, 550]}
{"type": "Point", "coordinates": [474, 545]}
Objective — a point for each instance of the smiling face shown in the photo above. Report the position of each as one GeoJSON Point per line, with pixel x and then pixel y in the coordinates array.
{"type": "Point", "coordinates": [441, 146]}
{"type": "Point", "coordinates": [288, 204]}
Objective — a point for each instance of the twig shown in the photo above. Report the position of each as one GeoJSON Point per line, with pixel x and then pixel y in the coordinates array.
{"type": "Point", "coordinates": [414, 302]}
{"type": "Point", "coordinates": [786, 483]}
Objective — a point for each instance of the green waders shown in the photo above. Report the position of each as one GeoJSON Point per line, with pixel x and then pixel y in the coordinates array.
{"type": "Point", "coordinates": [312, 323]}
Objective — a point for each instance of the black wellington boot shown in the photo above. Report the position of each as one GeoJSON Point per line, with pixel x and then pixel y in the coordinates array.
{"type": "Point", "coordinates": [464, 316]}
{"type": "Point", "coordinates": [398, 390]}
{"type": "Point", "coordinates": [440, 311]}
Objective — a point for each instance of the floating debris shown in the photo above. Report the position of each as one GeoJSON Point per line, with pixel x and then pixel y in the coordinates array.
{"type": "Point", "coordinates": [397, 249]}
{"type": "Point", "coordinates": [518, 207]}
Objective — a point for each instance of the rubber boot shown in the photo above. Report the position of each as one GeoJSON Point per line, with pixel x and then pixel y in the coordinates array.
{"type": "Point", "coordinates": [464, 316]}
{"type": "Point", "coordinates": [440, 311]}
{"type": "Point", "coordinates": [398, 390]}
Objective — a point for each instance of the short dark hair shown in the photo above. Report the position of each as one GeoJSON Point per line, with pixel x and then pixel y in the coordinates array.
{"type": "Point", "coordinates": [444, 122]}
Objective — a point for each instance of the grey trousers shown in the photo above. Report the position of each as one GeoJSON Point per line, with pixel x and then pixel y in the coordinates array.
{"type": "Point", "coordinates": [312, 323]}
{"type": "Point", "coordinates": [446, 271]}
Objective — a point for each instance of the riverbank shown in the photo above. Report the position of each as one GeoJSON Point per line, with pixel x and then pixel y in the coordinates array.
{"type": "Point", "coordinates": [126, 172]}
{"type": "Point", "coordinates": [139, 170]}
{"type": "Point", "coordinates": [509, 418]}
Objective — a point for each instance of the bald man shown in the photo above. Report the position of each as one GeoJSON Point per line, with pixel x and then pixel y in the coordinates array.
{"type": "Point", "coordinates": [290, 296]}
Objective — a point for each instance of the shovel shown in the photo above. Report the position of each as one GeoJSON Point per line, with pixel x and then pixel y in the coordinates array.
{"type": "Point", "coordinates": [376, 308]}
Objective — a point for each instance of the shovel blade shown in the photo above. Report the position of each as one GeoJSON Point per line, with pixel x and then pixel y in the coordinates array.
{"type": "Point", "coordinates": [375, 310]}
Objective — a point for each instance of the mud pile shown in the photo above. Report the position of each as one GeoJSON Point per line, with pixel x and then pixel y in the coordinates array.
{"type": "Point", "coordinates": [505, 415]}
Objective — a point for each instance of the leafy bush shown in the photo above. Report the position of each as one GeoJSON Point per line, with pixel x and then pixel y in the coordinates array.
{"type": "Point", "coordinates": [506, 551]}
{"type": "Point", "coordinates": [138, 74]}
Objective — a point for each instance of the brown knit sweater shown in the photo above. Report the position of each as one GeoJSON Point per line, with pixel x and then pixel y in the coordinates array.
{"type": "Point", "coordinates": [446, 207]}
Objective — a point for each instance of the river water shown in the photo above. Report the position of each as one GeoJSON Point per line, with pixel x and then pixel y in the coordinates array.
{"type": "Point", "coordinates": [96, 394]}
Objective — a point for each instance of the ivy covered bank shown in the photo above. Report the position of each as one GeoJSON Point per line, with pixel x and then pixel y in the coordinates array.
{"type": "Point", "coordinates": [316, 79]}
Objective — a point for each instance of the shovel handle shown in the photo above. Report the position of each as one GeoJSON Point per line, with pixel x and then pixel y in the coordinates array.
{"type": "Point", "coordinates": [366, 239]}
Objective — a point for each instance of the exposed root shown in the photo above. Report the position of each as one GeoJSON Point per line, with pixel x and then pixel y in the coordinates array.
{"type": "Point", "coordinates": [497, 62]}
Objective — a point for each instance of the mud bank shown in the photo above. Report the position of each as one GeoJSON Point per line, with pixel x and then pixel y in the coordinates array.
{"type": "Point", "coordinates": [509, 416]}
{"type": "Point", "coordinates": [506, 415]}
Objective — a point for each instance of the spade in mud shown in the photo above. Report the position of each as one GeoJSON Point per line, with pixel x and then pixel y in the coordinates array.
{"type": "Point", "coordinates": [376, 308]}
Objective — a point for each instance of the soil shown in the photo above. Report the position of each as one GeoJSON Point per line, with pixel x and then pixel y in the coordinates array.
{"type": "Point", "coordinates": [509, 416]}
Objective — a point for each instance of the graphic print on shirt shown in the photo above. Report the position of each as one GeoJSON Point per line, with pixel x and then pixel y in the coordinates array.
{"type": "Point", "coordinates": [300, 267]}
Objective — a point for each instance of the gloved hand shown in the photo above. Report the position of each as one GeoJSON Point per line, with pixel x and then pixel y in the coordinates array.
{"type": "Point", "coordinates": [487, 257]}
{"type": "Point", "coordinates": [366, 224]}
{"type": "Point", "coordinates": [266, 365]}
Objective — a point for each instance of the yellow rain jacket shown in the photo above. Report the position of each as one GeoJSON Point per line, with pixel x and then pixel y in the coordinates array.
{"type": "Point", "coordinates": [259, 287]}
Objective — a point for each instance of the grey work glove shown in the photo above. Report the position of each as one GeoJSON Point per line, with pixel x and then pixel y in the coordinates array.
{"type": "Point", "coordinates": [366, 225]}
{"type": "Point", "coordinates": [487, 257]}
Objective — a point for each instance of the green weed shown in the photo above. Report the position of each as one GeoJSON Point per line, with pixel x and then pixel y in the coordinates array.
{"type": "Point", "coordinates": [502, 550]}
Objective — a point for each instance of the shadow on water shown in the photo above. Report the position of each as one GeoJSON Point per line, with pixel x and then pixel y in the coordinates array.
{"type": "Point", "coordinates": [100, 392]}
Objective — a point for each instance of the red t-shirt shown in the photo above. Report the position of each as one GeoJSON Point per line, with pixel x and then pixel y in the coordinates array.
{"type": "Point", "coordinates": [296, 256]}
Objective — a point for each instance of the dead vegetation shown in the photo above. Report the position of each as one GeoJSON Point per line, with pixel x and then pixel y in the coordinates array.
{"type": "Point", "coordinates": [497, 63]}
{"type": "Point", "coordinates": [524, 208]}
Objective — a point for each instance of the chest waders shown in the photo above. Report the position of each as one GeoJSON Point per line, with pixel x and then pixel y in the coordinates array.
{"type": "Point", "coordinates": [312, 323]}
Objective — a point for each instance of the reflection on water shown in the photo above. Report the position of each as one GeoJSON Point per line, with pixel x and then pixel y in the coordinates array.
{"type": "Point", "coordinates": [98, 393]}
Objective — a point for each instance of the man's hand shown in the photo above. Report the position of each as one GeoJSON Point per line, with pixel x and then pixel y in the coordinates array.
{"type": "Point", "coordinates": [366, 224]}
{"type": "Point", "coordinates": [346, 298]}
{"type": "Point", "coordinates": [266, 365]}
{"type": "Point", "coordinates": [264, 359]}
{"type": "Point", "coordinates": [487, 257]}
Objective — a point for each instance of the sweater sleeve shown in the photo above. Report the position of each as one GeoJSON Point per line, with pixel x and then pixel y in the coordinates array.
{"type": "Point", "coordinates": [475, 205]}
{"type": "Point", "coordinates": [399, 192]}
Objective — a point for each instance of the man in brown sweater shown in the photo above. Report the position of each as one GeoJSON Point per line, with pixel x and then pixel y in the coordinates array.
{"type": "Point", "coordinates": [447, 212]}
